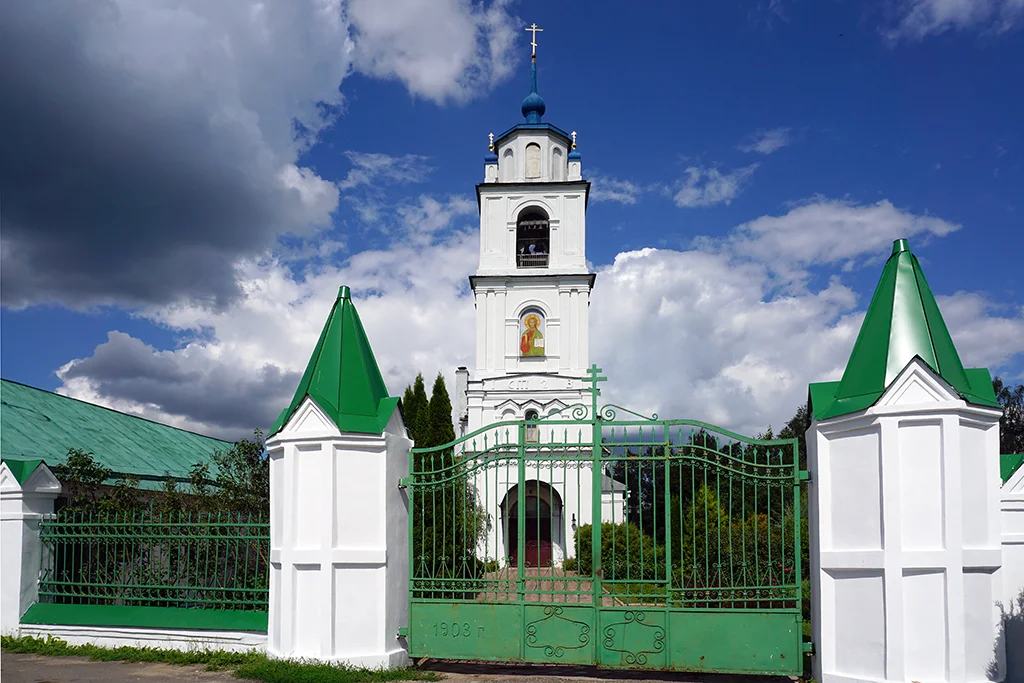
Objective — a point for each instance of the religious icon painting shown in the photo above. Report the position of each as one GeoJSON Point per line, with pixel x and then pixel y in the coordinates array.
{"type": "Point", "coordinates": [531, 334]}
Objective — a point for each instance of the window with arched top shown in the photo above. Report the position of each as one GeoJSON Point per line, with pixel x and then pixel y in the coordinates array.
{"type": "Point", "coordinates": [532, 239]}
{"type": "Point", "coordinates": [532, 433]}
{"type": "Point", "coordinates": [533, 160]}
{"type": "Point", "coordinates": [557, 165]}
{"type": "Point", "coordinates": [507, 167]}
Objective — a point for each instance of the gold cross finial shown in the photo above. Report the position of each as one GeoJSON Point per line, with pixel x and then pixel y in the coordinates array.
{"type": "Point", "coordinates": [574, 139]}
{"type": "Point", "coordinates": [533, 42]}
{"type": "Point", "coordinates": [490, 141]}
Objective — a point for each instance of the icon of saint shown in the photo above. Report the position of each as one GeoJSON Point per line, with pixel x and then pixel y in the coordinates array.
{"type": "Point", "coordinates": [531, 342]}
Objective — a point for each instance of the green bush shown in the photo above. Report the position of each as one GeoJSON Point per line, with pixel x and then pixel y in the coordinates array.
{"type": "Point", "coordinates": [626, 553]}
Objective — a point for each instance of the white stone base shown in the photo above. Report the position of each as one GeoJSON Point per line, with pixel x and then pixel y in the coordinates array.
{"type": "Point", "coordinates": [392, 659]}
{"type": "Point", "coordinates": [160, 638]}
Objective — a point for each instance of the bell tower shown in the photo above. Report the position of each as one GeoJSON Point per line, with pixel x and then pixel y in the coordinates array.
{"type": "Point", "coordinates": [532, 287]}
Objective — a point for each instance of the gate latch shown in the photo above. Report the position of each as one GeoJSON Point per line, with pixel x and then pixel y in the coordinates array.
{"type": "Point", "coordinates": [804, 475]}
{"type": "Point", "coordinates": [403, 632]}
{"type": "Point", "coordinates": [403, 483]}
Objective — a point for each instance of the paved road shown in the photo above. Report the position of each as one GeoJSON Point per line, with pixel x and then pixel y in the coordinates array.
{"type": "Point", "coordinates": [18, 668]}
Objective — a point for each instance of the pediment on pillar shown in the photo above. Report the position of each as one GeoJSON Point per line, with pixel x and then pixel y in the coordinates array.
{"type": "Point", "coordinates": [917, 385]}
{"type": "Point", "coordinates": [1015, 484]}
{"type": "Point", "coordinates": [309, 421]}
{"type": "Point", "coordinates": [41, 480]}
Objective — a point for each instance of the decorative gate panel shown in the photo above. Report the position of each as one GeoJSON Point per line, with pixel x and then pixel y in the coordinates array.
{"type": "Point", "coordinates": [628, 542]}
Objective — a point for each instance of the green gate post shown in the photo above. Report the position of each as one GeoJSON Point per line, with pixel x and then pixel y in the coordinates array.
{"type": "Point", "coordinates": [596, 475]}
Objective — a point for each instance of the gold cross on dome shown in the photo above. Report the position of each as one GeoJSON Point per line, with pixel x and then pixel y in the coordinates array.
{"type": "Point", "coordinates": [574, 139]}
{"type": "Point", "coordinates": [490, 141]}
{"type": "Point", "coordinates": [533, 42]}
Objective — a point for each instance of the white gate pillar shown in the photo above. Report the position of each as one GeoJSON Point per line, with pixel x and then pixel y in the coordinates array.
{"type": "Point", "coordinates": [905, 532]}
{"type": "Point", "coordinates": [339, 534]}
{"type": "Point", "coordinates": [27, 492]}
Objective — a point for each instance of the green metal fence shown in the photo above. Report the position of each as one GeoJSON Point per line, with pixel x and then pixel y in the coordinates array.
{"type": "Point", "coordinates": [599, 536]}
{"type": "Point", "coordinates": [154, 568]}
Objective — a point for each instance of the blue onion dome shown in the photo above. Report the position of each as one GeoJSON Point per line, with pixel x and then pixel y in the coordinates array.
{"type": "Point", "coordinates": [575, 156]}
{"type": "Point", "coordinates": [533, 108]}
{"type": "Point", "coordinates": [533, 105]}
{"type": "Point", "coordinates": [490, 158]}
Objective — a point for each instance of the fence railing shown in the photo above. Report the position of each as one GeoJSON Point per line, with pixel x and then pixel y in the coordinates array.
{"type": "Point", "coordinates": [169, 566]}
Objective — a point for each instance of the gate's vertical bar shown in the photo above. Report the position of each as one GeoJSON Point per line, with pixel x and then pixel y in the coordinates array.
{"type": "Point", "coordinates": [668, 524]}
{"type": "Point", "coordinates": [797, 540]}
{"type": "Point", "coordinates": [595, 512]}
{"type": "Point", "coordinates": [521, 517]}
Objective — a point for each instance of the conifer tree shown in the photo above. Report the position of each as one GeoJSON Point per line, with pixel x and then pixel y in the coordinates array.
{"type": "Point", "coordinates": [439, 429]}
{"type": "Point", "coordinates": [415, 407]}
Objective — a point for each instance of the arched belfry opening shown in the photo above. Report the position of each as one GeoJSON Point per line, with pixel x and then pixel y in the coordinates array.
{"type": "Point", "coordinates": [532, 239]}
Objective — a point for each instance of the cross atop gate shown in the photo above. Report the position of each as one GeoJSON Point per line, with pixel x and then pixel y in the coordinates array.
{"type": "Point", "coordinates": [594, 376]}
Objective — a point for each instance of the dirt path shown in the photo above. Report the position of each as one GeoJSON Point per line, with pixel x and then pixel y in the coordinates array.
{"type": "Point", "coordinates": [472, 672]}
{"type": "Point", "coordinates": [19, 668]}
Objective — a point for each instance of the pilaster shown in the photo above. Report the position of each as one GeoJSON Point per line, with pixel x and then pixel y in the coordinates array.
{"type": "Point", "coordinates": [22, 505]}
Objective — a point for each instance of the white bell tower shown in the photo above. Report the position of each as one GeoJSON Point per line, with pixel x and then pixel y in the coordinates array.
{"type": "Point", "coordinates": [532, 287]}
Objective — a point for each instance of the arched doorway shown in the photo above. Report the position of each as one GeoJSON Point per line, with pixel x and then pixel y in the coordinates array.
{"type": "Point", "coordinates": [543, 524]}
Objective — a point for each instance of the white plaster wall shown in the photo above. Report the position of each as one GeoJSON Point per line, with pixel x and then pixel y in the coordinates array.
{"type": "Point", "coordinates": [500, 206]}
{"type": "Point", "coordinates": [905, 537]}
{"type": "Point", "coordinates": [548, 141]}
{"type": "Point", "coordinates": [162, 638]}
{"type": "Point", "coordinates": [565, 302]}
{"type": "Point", "coordinates": [1012, 526]}
{"type": "Point", "coordinates": [22, 506]}
{"type": "Point", "coordinates": [339, 543]}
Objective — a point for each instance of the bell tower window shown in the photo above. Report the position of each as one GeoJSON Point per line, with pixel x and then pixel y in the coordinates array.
{"type": "Point", "coordinates": [532, 239]}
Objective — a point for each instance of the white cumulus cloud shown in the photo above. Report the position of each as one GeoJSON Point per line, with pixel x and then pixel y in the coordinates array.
{"type": "Point", "coordinates": [709, 186]}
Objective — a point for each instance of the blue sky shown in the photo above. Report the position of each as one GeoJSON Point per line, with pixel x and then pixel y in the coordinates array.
{"type": "Point", "coordinates": [159, 258]}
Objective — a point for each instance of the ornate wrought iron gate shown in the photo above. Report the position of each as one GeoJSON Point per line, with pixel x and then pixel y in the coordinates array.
{"type": "Point", "coordinates": [589, 538]}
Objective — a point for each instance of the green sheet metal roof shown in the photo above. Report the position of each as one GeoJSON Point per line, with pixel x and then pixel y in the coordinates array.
{"type": "Point", "coordinates": [902, 322]}
{"type": "Point", "coordinates": [40, 425]}
{"type": "Point", "coordinates": [342, 376]}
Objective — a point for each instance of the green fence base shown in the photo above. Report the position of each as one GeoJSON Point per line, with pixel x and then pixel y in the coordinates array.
{"type": "Point", "coordinates": [146, 617]}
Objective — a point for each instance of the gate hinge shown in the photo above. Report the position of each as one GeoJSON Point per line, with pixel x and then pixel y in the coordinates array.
{"type": "Point", "coordinates": [804, 475]}
{"type": "Point", "coordinates": [808, 647]}
{"type": "Point", "coordinates": [403, 483]}
{"type": "Point", "coordinates": [403, 632]}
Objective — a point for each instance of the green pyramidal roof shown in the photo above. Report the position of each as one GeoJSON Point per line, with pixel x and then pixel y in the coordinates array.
{"type": "Point", "coordinates": [902, 322]}
{"type": "Point", "coordinates": [343, 377]}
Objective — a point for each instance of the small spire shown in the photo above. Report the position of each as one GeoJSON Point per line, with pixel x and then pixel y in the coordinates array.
{"type": "Point", "coordinates": [900, 245]}
{"type": "Point", "coordinates": [344, 293]}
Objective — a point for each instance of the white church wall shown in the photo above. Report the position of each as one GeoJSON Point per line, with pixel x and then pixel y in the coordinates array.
{"type": "Point", "coordinates": [905, 545]}
{"type": "Point", "coordinates": [500, 208]}
{"type": "Point", "coordinates": [565, 307]}
{"type": "Point", "coordinates": [551, 167]}
{"type": "Point", "coordinates": [1012, 603]}
{"type": "Point", "coordinates": [22, 507]}
{"type": "Point", "coordinates": [338, 577]}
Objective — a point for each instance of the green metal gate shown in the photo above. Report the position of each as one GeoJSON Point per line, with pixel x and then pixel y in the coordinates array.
{"type": "Point", "coordinates": [694, 563]}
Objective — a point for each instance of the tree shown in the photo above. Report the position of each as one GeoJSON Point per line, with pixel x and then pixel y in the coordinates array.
{"type": "Point", "coordinates": [415, 406]}
{"type": "Point", "coordinates": [439, 429]}
{"type": "Point", "coordinates": [242, 483]}
{"type": "Point", "coordinates": [797, 428]}
{"type": "Point", "coordinates": [1011, 425]}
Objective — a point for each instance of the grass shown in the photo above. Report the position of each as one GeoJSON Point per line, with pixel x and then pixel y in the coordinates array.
{"type": "Point", "coordinates": [246, 665]}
